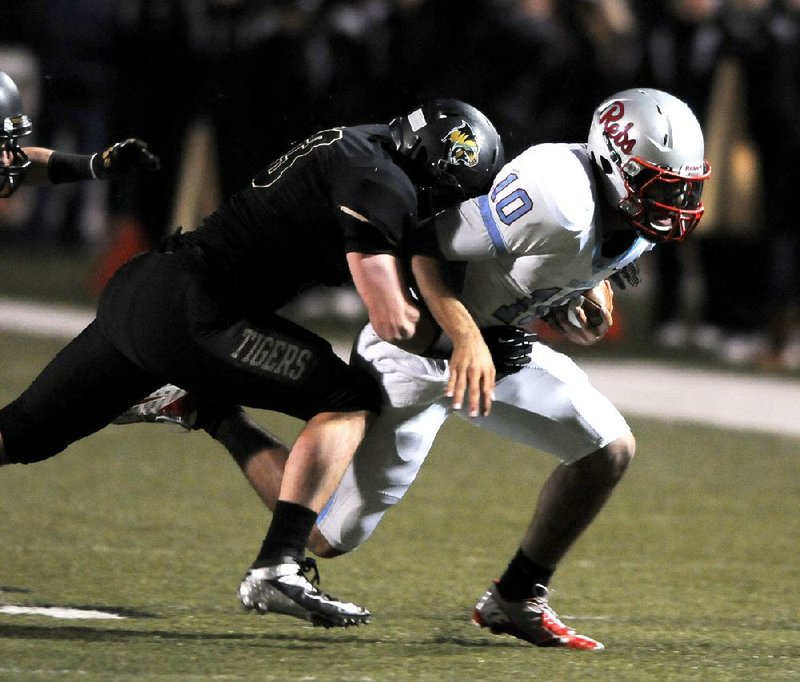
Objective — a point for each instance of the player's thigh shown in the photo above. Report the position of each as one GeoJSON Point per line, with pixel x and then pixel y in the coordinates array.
{"type": "Point", "coordinates": [185, 325]}
{"type": "Point", "coordinates": [273, 364]}
{"type": "Point", "coordinates": [383, 469]}
{"type": "Point", "coordinates": [81, 390]}
{"type": "Point", "coordinates": [552, 406]}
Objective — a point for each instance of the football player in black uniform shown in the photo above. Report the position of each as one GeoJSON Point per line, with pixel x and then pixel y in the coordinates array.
{"type": "Point", "coordinates": [199, 312]}
{"type": "Point", "coordinates": [39, 166]}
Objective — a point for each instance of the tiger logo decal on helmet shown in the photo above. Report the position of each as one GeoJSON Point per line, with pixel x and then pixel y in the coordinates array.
{"type": "Point", "coordinates": [449, 146]}
{"type": "Point", "coordinates": [462, 146]}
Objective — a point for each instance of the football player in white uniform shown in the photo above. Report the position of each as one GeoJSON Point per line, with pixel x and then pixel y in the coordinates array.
{"type": "Point", "coordinates": [559, 221]}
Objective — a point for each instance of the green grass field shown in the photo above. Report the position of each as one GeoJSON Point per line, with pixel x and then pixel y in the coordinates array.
{"type": "Point", "coordinates": [690, 573]}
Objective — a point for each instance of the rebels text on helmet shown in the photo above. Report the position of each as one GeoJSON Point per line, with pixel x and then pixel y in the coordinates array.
{"type": "Point", "coordinates": [609, 119]}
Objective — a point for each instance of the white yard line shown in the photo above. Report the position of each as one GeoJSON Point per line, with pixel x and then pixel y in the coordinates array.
{"type": "Point", "coordinates": [637, 388]}
{"type": "Point", "coordinates": [58, 612]}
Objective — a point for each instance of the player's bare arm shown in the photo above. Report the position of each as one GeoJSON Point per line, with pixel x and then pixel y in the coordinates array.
{"type": "Point", "coordinates": [380, 284]}
{"type": "Point", "coordinates": [37, 171]}
{"type": "Point", "coordinates": [472, 370]}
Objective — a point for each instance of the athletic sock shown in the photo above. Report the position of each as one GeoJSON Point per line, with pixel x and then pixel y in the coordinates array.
{"type": "Point", "coordinates": [522, 574]}
{"type": "Point", "coordinates": [288, 533]}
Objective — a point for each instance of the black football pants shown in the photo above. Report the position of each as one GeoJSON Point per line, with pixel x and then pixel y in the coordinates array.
{"type": "Point", "coordinates": [164, 319]}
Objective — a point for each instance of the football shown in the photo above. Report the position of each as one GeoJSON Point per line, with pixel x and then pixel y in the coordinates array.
{"type": "Point", "coordinates": [591, 303]}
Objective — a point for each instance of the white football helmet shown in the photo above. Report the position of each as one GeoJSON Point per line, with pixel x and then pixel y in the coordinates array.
{"type": "Point", "coordinates": [648, 146]}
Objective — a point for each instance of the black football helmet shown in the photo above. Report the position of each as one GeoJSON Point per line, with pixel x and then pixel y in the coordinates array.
{"type": "Point", "coordinates": [15, 124]}
{"type": "Point", "coordinates": [449, 148]}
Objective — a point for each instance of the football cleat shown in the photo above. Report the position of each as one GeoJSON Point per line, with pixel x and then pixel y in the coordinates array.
{"type": "Point", "coordinates": [167, 405]}
{"type": "Point", "coordinates": [284, 588]}
{"type": "Point", "coordinates": [530, 619]}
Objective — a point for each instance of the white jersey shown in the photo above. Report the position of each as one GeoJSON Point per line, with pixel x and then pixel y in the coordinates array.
{"type": "Point", "coordinates": [530, 244]}
{"type": "Point", "coordinates": [534, 241]}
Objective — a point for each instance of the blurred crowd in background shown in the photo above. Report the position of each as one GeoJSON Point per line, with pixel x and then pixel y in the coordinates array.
{"type": "Point", "coordinates": [218, 88]}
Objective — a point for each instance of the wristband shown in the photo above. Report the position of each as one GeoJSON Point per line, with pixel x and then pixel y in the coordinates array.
{"type": "Point", "coordinates": [66, 167]}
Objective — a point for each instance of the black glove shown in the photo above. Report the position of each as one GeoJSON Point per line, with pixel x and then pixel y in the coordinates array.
{"type": "Point", "coordinates": [510, 347]}
{"type": "Point", "coordinates": [124, 157]}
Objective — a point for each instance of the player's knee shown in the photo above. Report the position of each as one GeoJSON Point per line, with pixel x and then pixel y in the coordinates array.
{"type": "Point", "coordinates": [618, 454]}
{"type": "Point", "coordinates": [321, 547]}
{"type": "Point", "coordinates": [351, 425]}
{"type": "Point", "coordinates": [610, 462]}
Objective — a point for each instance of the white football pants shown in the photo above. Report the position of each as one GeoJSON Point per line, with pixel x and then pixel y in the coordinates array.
{"type": "Point", "coordinates": [550, 406]}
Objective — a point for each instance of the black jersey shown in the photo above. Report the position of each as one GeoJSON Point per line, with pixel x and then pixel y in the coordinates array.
{"type": "Point", "coordinates": [336, 192]}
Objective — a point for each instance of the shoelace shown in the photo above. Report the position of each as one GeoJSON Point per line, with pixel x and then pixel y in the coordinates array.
{"type": "Point", "coordinates": [549, 617]}
{"type": "Point", "coordinates": [309, 565]}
